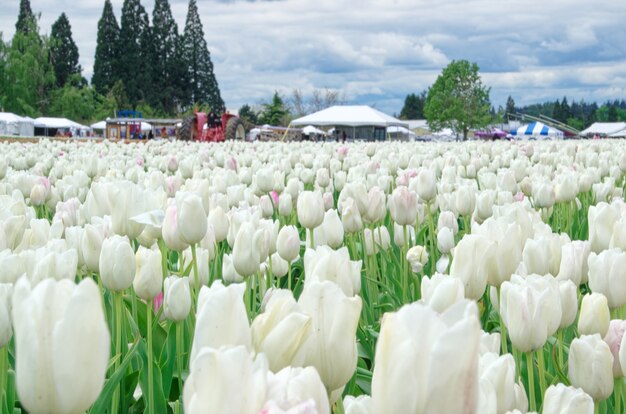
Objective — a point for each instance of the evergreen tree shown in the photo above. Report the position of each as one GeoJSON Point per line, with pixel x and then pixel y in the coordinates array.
{"type": "Point", "coordinates": [413, 106]}
{"type": "Point", "coordinates": [275, 112]}
{"type": "Point", "coordinates": [248, 115]}
{"type": "Point", "coordinates": [134, 51]}
{"type": "Point", "coordinates": [203, 88]}
{"type": "Point", "coordinates": [509, 109]}
{"type": "Point", "coordinates": [556, 110]}
{"type": "Point", "coordinates": [104, 67]}
{"type": "Point", "coordinates": [166, 67]}
{"type": "Point", "coordinates": [25, 18]}
{"type": "Point", "coordinates": [612, 113]}
{"type": "Point", "coordinates": [566, 111]}
{"type": "Point", "coordinates": [63, 51]}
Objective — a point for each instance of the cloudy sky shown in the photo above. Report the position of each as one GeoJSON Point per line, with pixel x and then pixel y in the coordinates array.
{"type": "Point", "coordinates": [378, 51]}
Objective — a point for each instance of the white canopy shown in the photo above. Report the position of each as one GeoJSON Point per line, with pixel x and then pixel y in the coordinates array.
{"type": "Point", "coordinates": [604, 128]}
{"type": "Point", "coordinates": [310, 129]}
{"type": "Point", "coordinates": [349, 115]}
{"type": "Point", "coordinates": [11, 124]}
{"type": "Point", "coordinates": [103, 124]}
{"type": "Point", "coordinates": [47, 122]}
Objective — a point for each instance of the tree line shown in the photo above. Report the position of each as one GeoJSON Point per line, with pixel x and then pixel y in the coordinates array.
{"type": "Point", "coordinates": [578, 114]}
{"type": "Point", "coordinates": [148, 67]}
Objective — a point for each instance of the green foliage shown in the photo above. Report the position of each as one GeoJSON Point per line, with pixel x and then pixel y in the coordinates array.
{"type": "Point", "coordinates": [275, 112]}
{"type": "Point", "coordinates": [509, 109]}
{"type": "Point", "coordinates": [104, 75]}
{"type": "Point", "coordinates": [76, 103]}
{"type": "Point", "coordinates": [458, 99]}
{"type": "Point", "coordinates": [63, 51]}
{"type": "Point", "coordinates": [248, 115]}
{"type": "Point", "coordinates": [28, 75]}
{"type": "Point", "coordinates": [414, 106]}
{"type": "Point", "coordinates": [202, 85]}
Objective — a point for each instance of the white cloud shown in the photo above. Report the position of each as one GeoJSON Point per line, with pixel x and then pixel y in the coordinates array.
{"type": "Point", "coordinates": [377, 51]}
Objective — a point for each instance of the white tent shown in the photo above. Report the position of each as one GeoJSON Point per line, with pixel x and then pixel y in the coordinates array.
{"type": "Point", "coordinates": [605, 128]}
{"type": "Point", "coordinates": [349, 115]}
{"type": "Point", "coordinates": [11, 124]}
{"type": "Point", "coordinates": [537, 129]}
{"type": "Point", "coordinates": [103, 124]}
{"type": "Point", "coordinates": [310, 129]}
{"type": "Point", "coordinates": [399, 132]}
{"type": "Point", "coordinates": [355, 121]}
{"type": "Point", "coordinates": [47, 123]}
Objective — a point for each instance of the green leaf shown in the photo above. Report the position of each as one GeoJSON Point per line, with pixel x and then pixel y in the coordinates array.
{"type": "Point", "coordinates": [168, 360]}
{"type": "Point", "coordinates": [103, 402]}
{"type": "Point", "coordinates": [160, 406]}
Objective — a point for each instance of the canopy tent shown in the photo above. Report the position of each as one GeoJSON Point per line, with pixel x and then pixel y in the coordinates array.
{"type": "Point", "coordinates": [349, 115]}
{"type": "Point", "coordinates": [310, 129]}
{"type": "Point", "coordinates": [11, 124]}
{"type": "Point", "coordinates": [48, 125]}
{"type": "Point", "coordinates": [605, 129]}
{"type": "Point", "coordinates": [356, 121]}
{"type": "Point", "coordinates": [145, 126]}
{"type": "Point", "coordinates": [537, 129]}
{"type": "Point", "coordinates": [399, 132]}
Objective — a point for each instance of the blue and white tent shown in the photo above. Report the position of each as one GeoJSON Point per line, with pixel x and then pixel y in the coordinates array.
{"type": "Point", "coordinates": [537, 129]}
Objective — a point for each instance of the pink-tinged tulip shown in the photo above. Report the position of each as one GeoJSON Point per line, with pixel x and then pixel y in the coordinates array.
{"type": "Point", "coordinates": [217, 378]}
{"type": "Point", "coordinates": [430, 370]}
{"type": "Point", "coordinates": [449, 220]}
{"type": "Point", "coordinates": [613, 339]}
{"type": "Point", "coordinates": [569, 302]}
{"type": "Point", "coordinates": [61, 343]}
{"type": "Point", "coordinates": [285, 205]}
{"type": "Point", "coordinates": [325, 263]}
{"type": "Point", "coordinates": [594, 315]}
{"type": "Point", "coordinates": [560, 399]}
{"type": "Point", "coordinates": [221, 318]}
{"type": "Point", "coordinates": [403, 206]}
{"type": "Point", "coordinates": [573, 265]}
{"type": "Point", "coordinates": [331, 346]}
{"type": "Point", "coordinates": [590, 364]}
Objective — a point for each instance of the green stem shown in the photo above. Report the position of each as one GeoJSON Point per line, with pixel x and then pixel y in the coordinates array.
{"type": "Point", "coordinates": [339, 409]}
{"type": "Point", "coordinates": [179, 355]}
{"type": "Point", "coordinates": [196, 279]}
{"type": "Point", "coordinates": [163, 249]}
{"type": "Point", "coordinates": [312, 239]}
{"type": "Point", "coordinates": [561, 345]}
{"type": "Point", "coordinates": [542, 371]}
{"type": "Point", "coordinates": [247, 297]}
{"type": "Point", "coordinates": [405, 270]}
{"type": "Point", "coordinates": [269, 273]}
{"type": "Point", "coordinates": [503, 340]}
{"type": "Point", "coordinates": [117, 299]}
{"type": "Point", "coordinates": [150, 400]}
{"type": "Point", "coordinates": [617, 395]}
{"type": "Point", "coordinates": [531, 381]}
{"type": "Point", "coordinates": [596, 407]}
{"type": "Point", "coordinates": [4, 371]}
{"type": "Point", "coordinates": [289, 276]}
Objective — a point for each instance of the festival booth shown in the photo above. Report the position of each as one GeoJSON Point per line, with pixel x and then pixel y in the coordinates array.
{"type": "Point", "coordinates": [357, 122]}
{"type": "Point", "coordinates": [50, 127]}
{"type": "Point", "coordinates": [536, 130]}
{"type": "Point", "coordinates": [605, 129]}
{"type": "Point", "coordinates": [15, 125]}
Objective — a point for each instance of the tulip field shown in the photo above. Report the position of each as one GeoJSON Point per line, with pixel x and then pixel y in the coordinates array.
{"type": "Point", "coordinates": [312, 278]}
